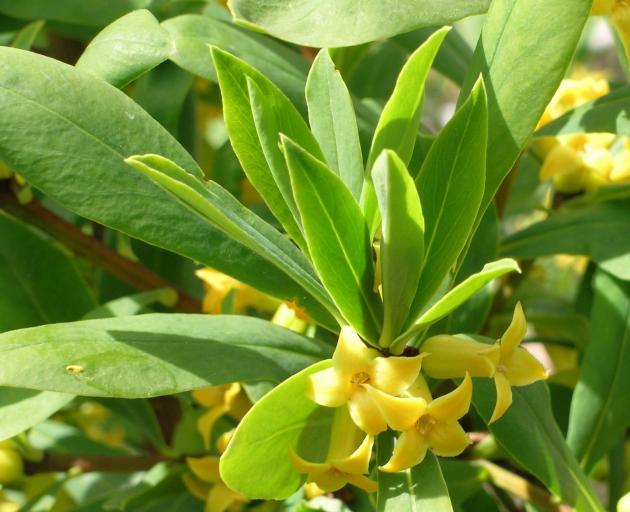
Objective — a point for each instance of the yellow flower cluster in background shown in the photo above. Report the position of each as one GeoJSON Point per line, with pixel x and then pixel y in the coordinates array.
{"type": "Point", "coordinates": [619, 13]}
{"type": "Point", "coordinates": [583, 161]}
{"type": "Point", "coordinates": [372, 393]}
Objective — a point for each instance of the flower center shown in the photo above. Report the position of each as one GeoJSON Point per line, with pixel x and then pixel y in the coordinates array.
{"type": "Point", "coordinates": [425, 424]}
{"type": "Point", "coordinates": [360, 378]}
{"type": "Point", "coordinates": [501, 368]}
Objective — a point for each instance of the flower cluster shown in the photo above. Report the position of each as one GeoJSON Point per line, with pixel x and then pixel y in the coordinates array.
{"type": "Point", "coordinates": [583, 161]}
{"type": "Point", "coordinates": [373, 392]}
{"type": "Point", "coordinates": [619, 13]}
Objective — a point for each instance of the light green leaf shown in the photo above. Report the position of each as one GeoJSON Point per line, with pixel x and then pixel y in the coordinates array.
{"type": "Point", "coordinates": [210, 201]}
{"type": "Point", "coordinates": [520, 73]}
{"type": "Point", "coordinates": [397, 128]}
{"type": "Point", "coordinates": [192, 34]}
{"type": "Point", "coordinates": [598, 230]}
{"type": "Point", "coordinates": [134, 304]}
{"type": "Point", "coordinates": [419, 489]}
{"type": "Point", "coordinates": [241, 126]}
{"type": "Point", "coordinates": [39, 281]}
{"type": "Point", "coordinates": [599, 409]}
{"type": "Point", "coordinates": [75, 155]}
{"type": "Point", "coordinates": [256, 462]}
{"type": "Point", "coordinates": [126, 49]}
{"type": "Point", "coordinates": [332, 23]}
{"type": "Point", "coordinates": [25, 38]}
{"type": "Point", "coordinates": [95, 13]}
{"type": "Point", "coordinates": [20, 409]}
{"type": "Point", "coordinates": [151, 355]}
{"type": "Point", "coordinates": [529, 433]}
{"type": "Point", "coordinates": [338, 239]}
{"type": "Point", "coordinates": [608, 114]}
{"type": "Point", "coordinates": [450, 184]}
{"type": "Point", "coordinates": [333, 121]}
{"type": "Point", "coordinates": [460, 294]}
{"type": "Point", "coordinates": [402, 240]}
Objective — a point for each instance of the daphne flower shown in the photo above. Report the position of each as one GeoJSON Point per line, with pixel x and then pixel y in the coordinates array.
{"type": "Point", "coordinates": [358, 370]}
{"type": "Point", "coordinates": [435, 427]}
{"type": "Point", "coordinates": [205, 483]}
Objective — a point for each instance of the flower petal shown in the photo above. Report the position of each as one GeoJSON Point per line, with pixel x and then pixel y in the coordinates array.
{"type": "Point", "coordinates": [394, 375]}
{"type": "Point", "coordinates": [352, 355]}
{"type": "Point", "coordinates": [358, 462]}
{"type": "Point", "coordinates": [195, 486]}
{"type": "Point", "coordinates": [365, 414]}
{"type": "Point", "coordinates": [420, 389]}
{"type": "Point", "coordinates": [209, 397]}
{"type": "Point", "coordinates": [450, 357]}
{"type": "Point", "coordinates": [363, 482]}
{"type": "Point", "coordinates": [522, 368]}
{"type": "Point", "coordinates": [504, 396]}
{"type": "Point", "coordinates": [410, 449]}
{"type": "Point", "coordinates": [205, 468]}
{"type": "Point", "coordinates": [447, 439]}
{"type": "Point", "coordinates": [306, 467]}
{"type": "Point", "coordinates": [219, 498]}
{"type": "Point", "coordinates": [399, 413]}
{"type": "Point", "coordinates": [328, 388]}
{"type": "Point", "coordinates": [453, 405]}
{"type": "Point", "coordinates": [330, 481]}
{"type": "Point", "coordinates": [205, 422]}
{"type": "Point", "coordinates": [515, 332]}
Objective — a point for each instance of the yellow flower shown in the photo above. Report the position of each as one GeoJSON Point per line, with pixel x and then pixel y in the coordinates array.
{"type": "Point", "coordinates": [220, 400]}
{"type": "Point", "coordinates": [218, 286]}
{"type": "Point", "coordinates": [288, 315]}
{"type": "Point", "coordinates": [369, 383]}
{"type": "Point", "coordinates": [345, 463]}
{"type": "Point", "coordinates": [205, 483]}
{"type": "Point", "coordinates": [619, 13]}
{"type": "Point", "coordinates": [11, 464]}
{"type": "Point", "coordinates": [435, 427]}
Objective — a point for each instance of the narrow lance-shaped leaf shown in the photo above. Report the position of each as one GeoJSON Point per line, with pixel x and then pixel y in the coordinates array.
{"type": "Point", "coordinates": [134, 304]}
{"type": "Point", "coordinates": [25, 38]}
{"type": "Point", "coordinates": [600, 404]}
{"type": "Point", "coordinates": [398, 125]}
{"type": "Point", "coordinates": [402, 240]}
{"type": "Point", "coordinates": [257, 462]}
{"type": "Point", "coordinates": [241, 126]}
{"type": "Point", "coordinates": [151, 355]}
{"type": "Point", "coordinates": [338, 239]}
{"type": "Point", "coordinates": [520, 73]}
{"type": "Point", "coordinates": [216, 205]}
{"type": "Point", "coordinates": [333, 121]}
{"type": "Point", "coordinates": [450, 184]}
{"type": "Point", "coordinates": [457, 296]}
{"type": "Point", "coordinates": [126, 49]}
{"type": "Point", "coordinates": [334, 23]}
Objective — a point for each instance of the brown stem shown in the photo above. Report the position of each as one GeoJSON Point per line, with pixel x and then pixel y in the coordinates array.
{"type": "Point", "coordinates": [130, 272]}
{"type": "Point", "coordinates": [58, 462]}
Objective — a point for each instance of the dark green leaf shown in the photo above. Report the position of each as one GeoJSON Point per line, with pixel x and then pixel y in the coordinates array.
{"type": "Point", "coordinates": [133, 304]}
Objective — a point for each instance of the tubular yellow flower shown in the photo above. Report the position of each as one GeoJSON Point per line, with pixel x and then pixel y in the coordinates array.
{"type": "Point", "coordinates": [436, 428]}
{"type": "Point", "coordinates": [517, 367]}
{"type": "Point", "coordinates": [369, 383]}
{"type": "Point", "coordinates": [345, 463]}
{"type": "Point", "coordinates": [206, 484]}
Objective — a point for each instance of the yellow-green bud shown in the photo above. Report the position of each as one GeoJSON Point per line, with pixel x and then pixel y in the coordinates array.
{"type": "Point", "coordinates": [11, 465]}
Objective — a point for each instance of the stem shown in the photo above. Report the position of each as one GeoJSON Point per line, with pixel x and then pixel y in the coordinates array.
{"type": "Point", "coordinates": [83, 246]}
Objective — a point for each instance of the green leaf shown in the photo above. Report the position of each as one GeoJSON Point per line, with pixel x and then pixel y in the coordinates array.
{"type": "Point", "coordinates": [402, 240]}
{"type": "Point", "coordinates": [460, 294]}
{"type": "Point", "coordinates": [134, 304]}
{"type": "Point", "coordinates": [20, 409]}
{"type": "Point", "coordinates": [256, 462]}
{"type": "Point", "coordinates": [529, 433]}
{"type": "Point", "coordinates": [191, 35]}
{"type": "Point", "coordinates": [419, 489]}
{"type": "Point", "coordinates": [338, 239]}
{"type": "Point", "coordinates": [95, 13]}
{"type": "Point", "coordinates": [126, 49]}
{"type": "Point", "coordinates": [241, 126]}
{"type": "Point", "coordinates": [450, 184]}
{"type": "Point", "coordinates": [332, 119]}
{"type": "Point", "coordinates": [332, 23]}
{"type": "Point", "coordinates": [210, 201]}
{"type": "Point", "coordinates": [39, 281]}
{"type": "Point", "coordinates": [75, 155]}
{"type": "Point", "coordinates": [599, 409]}
{"type": "Point", "coordinates": [25, 38]}
{"type": "Point", "coordinates": [520, 73]}
{"type": "Point", "coordinates": [397, 128]}
{"type": "Point", "coordinates": [151, 355]}
{"type": "Point", "coordinates": [607, 114]}
{"type": "Point", "coordinates": [598, 230]}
